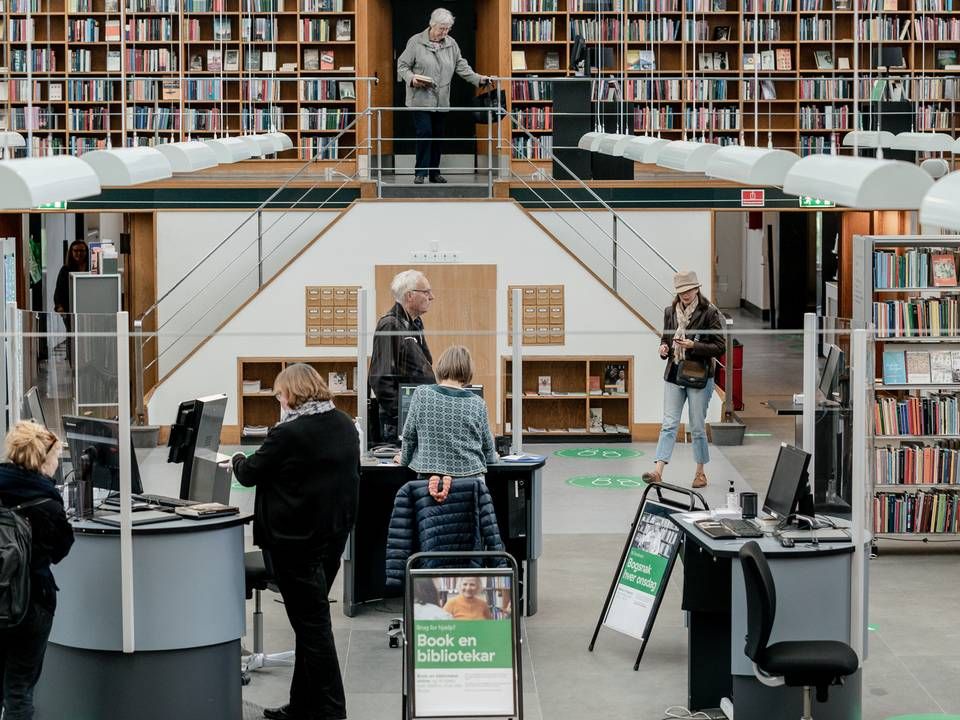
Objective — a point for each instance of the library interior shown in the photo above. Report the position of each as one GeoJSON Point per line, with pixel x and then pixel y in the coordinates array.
{"type": "Point", "coordinates": [546, 359]}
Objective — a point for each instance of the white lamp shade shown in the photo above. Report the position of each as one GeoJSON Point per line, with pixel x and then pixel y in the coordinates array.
{"type": "Point", "coordinates": [187, 157]}
{"type": "Point", "coordinates": [281, 140]}
{"type": "Point", "coordinates": [122, 167]}
{"type": "Point", "coordinates": [686, 156]}
{"type": "Point", "coordinates": [923, 142]}
{"type": "Point", "coordinates": [751, 165]}
{"type": "Point", "coordinates": [868, 139]}
{"type": "Point", "coordinates": [863, 183]}
{"type": "Point", "coordinates": [9, 139]}
{"type": "Point", "coordinates": [31, 182]}
{"type": "Point", "coordinates": [644, 149]}
{"type": "Point", "coordinates": [956, 147]}
{"type": "Point", "coordinates": [941, 204]}
{"type": "Point", "coordinates": [613, 144]}
{"type": "Point", "coordinates": [229, 150]}
{"type": "Point", "coordinates": [259, 145]}
{"type": "Point", "coordinates": [590, 141]}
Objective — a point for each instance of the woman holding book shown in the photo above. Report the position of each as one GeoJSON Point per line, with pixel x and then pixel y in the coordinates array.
{"type": "Point", "coordinates": [692, 340]}
{"type": "Point", "coordinates": [426, 67]}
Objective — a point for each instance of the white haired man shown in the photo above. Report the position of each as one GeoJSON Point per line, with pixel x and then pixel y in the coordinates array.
{"type": "Point", "coordinates": [426, 67]}
{"type": "Point", "coordinates": [400, 352]}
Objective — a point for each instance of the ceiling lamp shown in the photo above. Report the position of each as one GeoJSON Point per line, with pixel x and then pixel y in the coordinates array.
{"type": "Point", "coordinates": [868, 139]}
{"type": "Point", "coordinates": [122, 167]}
{"type": "Point", "coordinates": [686, 156]}
{"type": "Point", "coordinates": [612, 144]}
{"type": "Point", "coordinates": [31, 182]}
{"type": "Point", "coordinates": [644, 149]}
{"type": "Point", "coordinates": [185, 157]}
{"type": "Point", "coordinates": [281, 140]}
{"type": "Point", "coordinates": [941, 205]}
{"type": "Point", "coordinates": [259, 145]}
{"type": "Point", "coordinates": [229, 149]}
{"type": "Point", "coordinates": [590, 141]}
{"type": "Point", "coordinates": [10, 139]}
{"type": "Point", "coordinates": [923, 142]}
{"type": "Point", "coordinates": [862, 183]}
{"type": "Point", "coordinates": [751, 165]}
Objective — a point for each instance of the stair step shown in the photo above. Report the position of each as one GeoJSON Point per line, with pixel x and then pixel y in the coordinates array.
{"type": "Point", "coordinates": [450, 190]}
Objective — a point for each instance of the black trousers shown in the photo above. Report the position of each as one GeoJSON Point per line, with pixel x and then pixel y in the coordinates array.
{"type": "Point", "coordinates": [316, 691]}
{"type": "Point", "coordinates": [428, 127]}
{"type": "Point", "coordinates": [21, 658]}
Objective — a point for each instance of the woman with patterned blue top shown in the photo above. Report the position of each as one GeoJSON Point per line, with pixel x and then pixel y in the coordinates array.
{"type": "Point", "coordinates": [447, 432]}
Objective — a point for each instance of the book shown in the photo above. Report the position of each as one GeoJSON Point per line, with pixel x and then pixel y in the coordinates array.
{"type": "Point", "coordinates": [543, 385]}
{"type": "Point", "coordinates": [551, 61]}
{"type": "Point", "coordinates": [268, 61]}
{"type": "Point", "coordinates": [111, 31]}
{"type": "Point", "coordinates": [824, 59]}
{"type": "Point", "coordinates": [889, 5]}
{"type": "Point", "coordinates": [327, 60]}
{"type": "Point", "coordinates": [956, 366]}
{"type": "Point", "coordinates": [719, 6]}
{"type": "Point", "coordinates": [55, 91]}
{"type": "Point", "coordinates": [170, 90]}
{"type": "Point", "coordinates": [768, 91]}
{"type": "Point", "coordinates": [311, 59]}
{"type": "Point", "coordinates": [766, 60]}
{"type": "Point", "coordinates": [214, 60]}
{"type": "Point", "coordinates": [231, 61]}
{"type": "Point", "coordinates": [843, 63]}
{"type": "Point", "coordinates": [896, 89]}
{"type": "Point", "coordinates": [944, 271]}
{"type": "Point", "coordinates": [705, 61]}
{"type": "Point", "coordinates": [344, 30]}
{"type": "Point", "coordinates": [751, 61]}
{"type": "Point", "coordinates": [518, 60]}
{"type": "Point", "coordinates": [596, 419]}
{"type": "Point", "coordinates": [595, 388]}
{"type": "Point", "coordinates": [113, 61]}
{"type": "Point", "coordinates": [346, 90]}
{"type": "Point", "coordinates": [784, 59]}
{"type": "Point", "coordinates": [918, 367]}
{"type": "Point", "coordinates": [878, 89]}
{"type": "Point", "coordinates": [337, 382]}
{"type": "Point", "coordinates": [196, 61]}
{"type": "Point", "coordinates": [251, 59]}
{"type": "Point", "coordinates": [941, 367]}
{"type": "Point", "coordinates": [222, 29]}
{"type": "Point", "coordinates": [721, 61]}
{"type": "Point", "coordinates": [615, 377]}
{"type": "Point", "coordinates": [111, 6]}
{"type": "Point", "coordinates": [721, 32]}
{"type": "Point", "coordinates": [946, 57]}
{"type": "Point", "coordinates": [647, 60]}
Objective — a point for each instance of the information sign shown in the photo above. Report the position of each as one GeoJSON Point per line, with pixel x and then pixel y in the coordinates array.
{"type": "Point", "coordinates": [752, 198]}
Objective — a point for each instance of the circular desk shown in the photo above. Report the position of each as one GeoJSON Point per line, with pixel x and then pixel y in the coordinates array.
{"type": "Point", "coordinates": [188, 589]}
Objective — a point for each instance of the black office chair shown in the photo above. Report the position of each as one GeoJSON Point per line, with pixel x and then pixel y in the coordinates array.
{"type": "Point", "coordinates": [796, 663]}
{"type": "Point", "coordinates": [258, 577]}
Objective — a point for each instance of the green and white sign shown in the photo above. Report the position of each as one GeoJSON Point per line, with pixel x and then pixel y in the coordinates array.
{"type": "Point", "coordinates": [812, 202]}
{"type": "Point", "coordinates": [607, 482]}
{"type": "Point", "coordinates": [596, 453]}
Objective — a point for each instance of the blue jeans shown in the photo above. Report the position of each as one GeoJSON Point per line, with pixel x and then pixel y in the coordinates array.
{"type": "Point", "coordinates": [21, 658]}
{"type": "Point", "coordinates": [428, 127]}
{"type": "Point", "coordinates": [697, 401]}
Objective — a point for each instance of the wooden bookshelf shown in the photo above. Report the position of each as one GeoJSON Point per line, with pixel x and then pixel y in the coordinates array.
{"type": "Point", "coordinates": [565, 412]}
{"type": "Point", "coordinates": [260, 407]}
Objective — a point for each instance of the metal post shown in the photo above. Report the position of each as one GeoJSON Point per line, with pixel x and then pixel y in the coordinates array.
{"type": "Point", "coordinates": [138, 369]}
{"type": "Point", "coordinates": [728, 406]}
{"type": "Point", "coordinates": [15, 366]}
{"type": "Point", "coordinates": [516, 389]}
{"type": "Point", "coordinates": [379, 154]}
{"type": "Point", "coordinates": [489, 152]}
{"type": "Point", "coordinates": [259, 248]}
{"type": "Point", "coordinates": [859, 489]}
{"type": "Point", "coordinates": [361, 388]}
{"type": "Point", "coordinates": [616, 247]}
{"type": "Point", "coordinates": [126, 463]}
{"type": "Point", "coordinates": [810, 390]}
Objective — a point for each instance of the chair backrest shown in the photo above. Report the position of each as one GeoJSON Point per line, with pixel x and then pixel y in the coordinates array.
{"type": "Point", "coordinates": [761, 599]}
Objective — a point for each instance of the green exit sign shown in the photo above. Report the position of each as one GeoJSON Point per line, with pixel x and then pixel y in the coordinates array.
{"type": "Point", "coordinates": [59, 205]}
{"type": "Point", "coordinates": [812, 202]}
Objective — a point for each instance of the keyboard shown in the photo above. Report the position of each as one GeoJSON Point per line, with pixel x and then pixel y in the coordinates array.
{"type": "Point", "coordinates": [742, 528]}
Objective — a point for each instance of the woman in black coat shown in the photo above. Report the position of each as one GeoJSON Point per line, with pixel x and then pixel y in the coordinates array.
{"type": "Point", "coordinates": [307, 474]}
{"type": "Point", "coordinates": [32, 456]}
{"type": "Point", "coordinates": [692, 330]}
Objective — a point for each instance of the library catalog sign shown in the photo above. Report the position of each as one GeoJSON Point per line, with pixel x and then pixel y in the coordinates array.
{"type": "Point", "coordinates": [462, 647]}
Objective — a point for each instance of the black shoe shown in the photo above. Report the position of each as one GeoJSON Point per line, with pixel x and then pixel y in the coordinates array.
{"type": "Point", "coordinates": [438, 179]}
{"type": "Point", "coordinates": [418, 180]}
{"type": "Point", "coordinates": [280, 713]}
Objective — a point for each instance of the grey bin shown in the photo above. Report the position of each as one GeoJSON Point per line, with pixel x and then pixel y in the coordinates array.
{"type": "Point", "coordinates": [145, 436]}
{"type": "Point", "coordinates": [727, 433]}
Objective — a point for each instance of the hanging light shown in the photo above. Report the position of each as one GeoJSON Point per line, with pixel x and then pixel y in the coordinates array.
{"type": "Point", "coordinates": [612, 144]}
{"type": "Point", "coordinates": [862, 183]}
{"type": "Point", "coordinates": [686, 156]}
{"type": "Point", "coordinates": [31, 182]}
{"type": "Point", "coordinates": [590, 141]}
{"type": "Point", "coordinates": [229, 149]}
{"type": "Point", "coordinates": [868, 139]}
{"type": "Point", "coordinates": [259, 145]}
{"type": "Point", "coordinates": [187, 157]}
{"type": "Point", "coordinates": [10, 139]}
{"type": "Point", "coordinates": [923, 142]}
{"type": "Point", "coordinates": [751, 165]}
{"type": "Point", "coordinates": [941, 205]}
{"type": "Point", "coordinates": [644, 149]}
{"type": "Point", "coordinates": [281, 140]}
{"type": "Point", "coordinates": [122, 167]}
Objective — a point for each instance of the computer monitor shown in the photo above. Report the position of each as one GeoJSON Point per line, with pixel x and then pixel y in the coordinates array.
{"type": "Point", "coordinates": [31, 409]}
{"type": "Point", "coordinates": [788, 483]}
{"type": "Point", "coordinates": [831, 371]}
{"type": "Point", "coordinates": [95, 452]}
{"type": "Point", "coordinates": [195, 442]}
{"type": "Point", "coordinates": [405, 395]}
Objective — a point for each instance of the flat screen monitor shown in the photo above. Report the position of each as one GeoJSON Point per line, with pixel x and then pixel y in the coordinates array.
{"type": "Point", "coordinates": [195, 442]}
{"type": "Point", "coordinates": [95, 452]}
{"type": "Point", "coordinates": [405, 395]}
{"type": "Point", "coordinates": [787, 483]}
{"type": "Point", "coordinates": [831, 371]}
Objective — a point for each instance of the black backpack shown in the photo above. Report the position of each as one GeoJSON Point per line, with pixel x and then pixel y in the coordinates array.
{"type": "Point", "coordinates": [16, 541]}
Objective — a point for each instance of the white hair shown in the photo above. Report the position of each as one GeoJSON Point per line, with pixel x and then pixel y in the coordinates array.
{"type": "Point", "coordinates": [441, 17]}
{"type": "Point", "coordinates": [404, 282]}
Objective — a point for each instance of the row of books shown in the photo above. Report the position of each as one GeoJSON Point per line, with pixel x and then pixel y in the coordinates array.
{"type": "Point", "coordinates": [535, 118]}
{"type": "Point", "coordinates": [318, 29]}
{"type": "Point", "coordinates": [531, 90]}
{"type": "Point", "coordinates": [767, 89]}
{"type": "Point", "coordinates": [826, 89]}
{"type": "Point", "coordinates": [141, 117]}
{"type": "Point", "coordinates": [81, 144]}
{"type": "Point", "coordinates": [201, 120]}
{"type": "Point", "coordinates": [261, 90]}
{"type": "Point", "coordinates": [765, 29]}
{"type": "Point", "coordinates": [918, 317]}
{"type": "Point", "coordinates": [917, 465]}
{"type": "Point", "coordinates": [703, 118]}
{"type": "Point", "coordinates": [643, 90]}
{"type": "Point", "coordinates": [921, 367]}
{"type": "Point", "coordinates": [646, 119]}
{"type": "Point", "coordinates": [829, 117]}
{"type": "Point", "coordinates": [929, 28]}
{"type": "Point", "coordinates": [324, 118]}
{"type": "Point", "coordinates": [39, 60]}
{"type": "Point", "coordinates": [150, 29]}
{"type": "Point", "coordinates": [527, 6]}
{"type": "Point", "coordinates": [321, 148]}
{"type": "Point", "coordinates": [527, 148]}
{"type": "Point", "coordinates": [818, 144]}
{"type": "Point", "coordinates": [89, 119]}
{"type": "Point", "coordinates": [914, 268]}
{"type": "Point", "coordinates": [815, 28]}
{"type": "Point", "coordinates": [33, 118]}
{"type": "Point", "coordinates": [318, 90]}
{"type": "Point", "coordinates": [20, 30]}
{"type": "Point", "coordinates": [928, 415]}
{"type": "Point", "coordinates": [533, 30]}
{"type": "Point", "coordinates": [934, 117]}
{"type": "Point", "coordinates": [137, 60]}
{"type": "Point", "coordinates": [920, 512]}
{"type": "Point", "coordinates": [261, 119]}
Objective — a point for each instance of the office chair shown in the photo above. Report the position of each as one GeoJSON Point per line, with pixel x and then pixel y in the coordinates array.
{"type": "Point", "coordinates": [795, 663]}
{"type": "Point", "coordinates": [258, 577]}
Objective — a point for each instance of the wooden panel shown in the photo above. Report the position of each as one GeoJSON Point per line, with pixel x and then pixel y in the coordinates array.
{"type": "Point", "coordinates": [375, 36]}
{"type": "Point", "coordinates": [142, 285]}
{"type": "Point", "coordinates": [852, 223]}
{"type": "Point", "coordinates": [464, 312]}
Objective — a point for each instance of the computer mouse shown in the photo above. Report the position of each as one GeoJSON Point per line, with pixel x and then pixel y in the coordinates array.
{"type": "Point", "coordinates": [786, 542]}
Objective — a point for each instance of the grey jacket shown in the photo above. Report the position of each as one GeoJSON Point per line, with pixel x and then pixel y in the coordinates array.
{"type": "Point", "coordinates": [420, 58]}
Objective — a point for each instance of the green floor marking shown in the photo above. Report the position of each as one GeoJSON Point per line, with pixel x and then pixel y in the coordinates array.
{"type": "Point", "coordinates": [925, 716]}
{"type": "Point", "coordinates": [872, 628]}
{"type": "Point", "coordinates": [746, 434]}
{"type": "Point", "coordinates": [596, 453]}
{"type": "Point", "coordinates": [608, 482]}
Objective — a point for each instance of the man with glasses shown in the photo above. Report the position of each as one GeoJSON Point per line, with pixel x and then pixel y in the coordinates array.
{"type": "Point", "coordinates": [400, 352]}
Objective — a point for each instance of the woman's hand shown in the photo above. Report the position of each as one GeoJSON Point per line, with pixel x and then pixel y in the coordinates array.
{"type": "Point", "coordinates": [685, 344]}
{"type": "Point", "coordinates": [396, 459]}
{"type": "Point", "coordinates": [664, 351]}
{"type": "Point", "coordinates": [417, 82]}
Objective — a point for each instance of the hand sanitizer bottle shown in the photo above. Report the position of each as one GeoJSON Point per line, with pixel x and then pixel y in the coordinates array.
{"type": "Point", "coordinates": [732, 503]}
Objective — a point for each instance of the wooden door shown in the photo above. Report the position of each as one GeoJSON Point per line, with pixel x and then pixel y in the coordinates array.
{"type": "Point", "coordinates": [464, 312]}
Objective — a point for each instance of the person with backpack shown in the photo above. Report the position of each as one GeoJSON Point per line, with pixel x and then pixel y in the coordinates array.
{"type": "Point", "coordinates": [27, 491]}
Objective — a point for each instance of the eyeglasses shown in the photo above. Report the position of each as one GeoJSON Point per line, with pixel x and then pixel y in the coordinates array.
{"type": "Point", "coordinates": [428, 292]}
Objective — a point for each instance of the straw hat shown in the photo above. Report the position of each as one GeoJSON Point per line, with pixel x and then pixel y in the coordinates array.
{"type": "Point", "coordinates": [684, 281]}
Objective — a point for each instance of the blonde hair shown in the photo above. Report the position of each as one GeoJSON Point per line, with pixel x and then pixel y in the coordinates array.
{"type": "Point", "coordinates": [455, 364]}
{"type": "Point", "coordinates": [301, 383]}
{"type": "Point", "coordinates": [28, 445]}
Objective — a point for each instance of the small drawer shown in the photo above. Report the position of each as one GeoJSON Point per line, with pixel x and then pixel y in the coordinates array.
{"type": "Point", "coordinates": [556, 294]}
{"type": "Point", "coordinates": [529, 296]}
{"type": "Point", "coordinates": [326, 315]}
{"type": "Point", "coordinates": [313, 295]}
{"type": "Point", "coordinates": [313, 313]}
{"type": "Point", "coordinates": [543, 314]}
{"type": "Point", "coordinates": [326, 296]}
{"type": "Point", "coordinates": [340, 297]}
{"type": "Point", "coordinates": [543, 331]}
{"type": "Point", "coordinates": [530, 313]}
{"type": "Point", "coordinates": [340, 316]}
{"type": "Point", "coordinates": [352, 317]}
{"type": "Point", "coordinates": [556, 312]}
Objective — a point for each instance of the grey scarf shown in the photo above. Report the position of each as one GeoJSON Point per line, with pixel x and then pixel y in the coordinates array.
{"type": "Point", "coordinates": [310, 407]}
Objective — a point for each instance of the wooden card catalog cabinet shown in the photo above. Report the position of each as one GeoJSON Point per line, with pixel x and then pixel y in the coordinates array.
{"type": "Point", "coordinates": [331, 314]}
{"type": "Point", "coordinates": [543, 314]}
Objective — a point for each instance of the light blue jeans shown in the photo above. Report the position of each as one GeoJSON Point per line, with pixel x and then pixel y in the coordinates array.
{"type": "Point", "coordinates": [697, 401]}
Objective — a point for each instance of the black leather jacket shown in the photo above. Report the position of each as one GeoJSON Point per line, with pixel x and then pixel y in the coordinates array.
{"type": "Point", "coordinates": [707, 346]}
{"type": "Point", "coordinates": [401, 356]}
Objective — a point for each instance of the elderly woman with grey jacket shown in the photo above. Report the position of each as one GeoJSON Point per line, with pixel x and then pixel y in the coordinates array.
{"type": "Point", "coordinates": [426, 67]}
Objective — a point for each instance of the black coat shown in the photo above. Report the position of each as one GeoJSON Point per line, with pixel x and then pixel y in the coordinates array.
{"type": "Point", "coordinates": [307, 475]}
{"type": "Point", "coordinates": [52, 533]}
{"type": "Point", "coordinates": [707, 346]}
{"type": "Point", "coordinates": [464, 521]}
{"type": "Point", "coordinates": [401, 357]}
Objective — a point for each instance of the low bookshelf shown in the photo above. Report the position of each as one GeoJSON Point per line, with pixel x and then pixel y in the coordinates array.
{"type": "Point", "coordinates": [568, 398]}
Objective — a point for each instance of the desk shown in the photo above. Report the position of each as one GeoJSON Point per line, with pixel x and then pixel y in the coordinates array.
{"type": "Point", "coordinates": [188, 578]}
{"type": "Point", "coordinates": [813, 603]}
{"type": "Point", "coordinates": [516, 492]}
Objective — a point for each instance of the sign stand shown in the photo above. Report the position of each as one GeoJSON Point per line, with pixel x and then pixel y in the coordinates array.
{"type": "Point", "coordinates": [646, 562]}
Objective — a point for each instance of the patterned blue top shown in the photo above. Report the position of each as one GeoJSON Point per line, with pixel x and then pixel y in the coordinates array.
{"type": "Point", "coordinates": [447, 433]}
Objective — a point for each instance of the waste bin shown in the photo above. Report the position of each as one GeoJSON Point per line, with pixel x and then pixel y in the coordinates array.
{"type": "Point", "coordinates": [721, 378]}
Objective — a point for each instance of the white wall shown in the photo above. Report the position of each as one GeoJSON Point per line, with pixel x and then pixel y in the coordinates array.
{"type": "Point", "coordinates": [728, 237]}
{"type": "Point", "coordinates": [484, 232]}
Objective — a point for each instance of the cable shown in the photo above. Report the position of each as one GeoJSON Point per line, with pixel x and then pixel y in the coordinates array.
{"type": "Point", "coordinates": [679, 712]}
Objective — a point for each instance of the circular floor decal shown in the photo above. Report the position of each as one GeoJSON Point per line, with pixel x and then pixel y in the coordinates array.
{"type": "Point", "coordinates": [929, 716]}
{"type": "Point", "coordinates": [608, 482]}
{"type": "Point", "coordinates": [595, 453]}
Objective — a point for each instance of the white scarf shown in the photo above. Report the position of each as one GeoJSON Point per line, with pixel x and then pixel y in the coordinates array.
{"type": "Point", "coordinates": [683, 315]}
{"type": "Point", "coordinates": [310, 407]}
